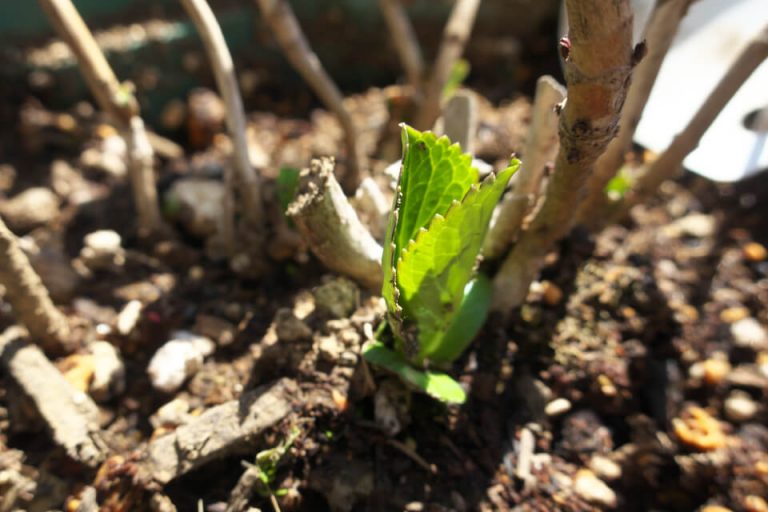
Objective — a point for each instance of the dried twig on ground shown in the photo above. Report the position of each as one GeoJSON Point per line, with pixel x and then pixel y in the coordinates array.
{"type": "Point", "coordinates": [598, 65]}
{"type": "Point", "coordinates": [115, 99]}
{"type": "Point", "coordinates": [29, 297]}
{"type": "Point", "coordinates": [686, 141]}
{"type": "Point", "coordinates": [331, 227]}
{"type": "Point", "coordinates": [405, 42]}
{"type": "Point", "coordinates": [540, 149]}
{"type": "Point", "coordinates": [218, 432]}
{"type": "Point", "coordinates": [224, 72]}
{"type": "Point", "coordinates": [280, 18]}
{"type": "Point", "coordinates": [659, 34]}
{"type": "Point", "coordinates": [455, 37]}
{"type": "Point", "coordinates": [70, 414]}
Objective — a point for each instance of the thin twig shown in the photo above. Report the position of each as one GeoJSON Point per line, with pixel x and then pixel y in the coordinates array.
{"type": "Point", "coordinates": [406, 44]}
{"type": "Point", "coordinates": [455, 37]}
{"type": "Point", "coordinates": [29, 297]}
{"type": "Point", "coordinates": [331, 227]}
{"type": "Point", "coordinates": [224, 72]}
{"type": "Point", "coordinates": [660, 32]}
{"type": "Point", "coordinates": [598, 65]}
{"type": "Point", "coordinates": [540, 149]}
{"type": "Point", "coordinates": [281, 19]}
{"type": "Point", "coordinates": [115, 99]}
{"type": "Point", "coordinates": [686, 141]}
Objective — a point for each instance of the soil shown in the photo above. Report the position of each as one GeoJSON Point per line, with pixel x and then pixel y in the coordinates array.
{"type": "Point", "coordinates": [627, 368]}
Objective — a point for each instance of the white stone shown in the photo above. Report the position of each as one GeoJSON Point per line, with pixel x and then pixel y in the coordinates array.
{"type": "Point", "coordinates": [178, 359]}
{"type": "Point", "coordinates": [29, 209]}
{"type": "Point", "coordinates": [739, 407]}
{"type": "Point", "coordinates": [128, 317]}
{"type": "Point", "coordinates": [108, 372]}
{"type": "Point", "coordinates": [698, 225]}
{"type": "Point", "coordinates": [200, 204]}
{"type": "Point", "coordinates": [174, 413]}
{"type": "Point", "coordinates": [557, 407]}
{"type": "Point", "coordinates": [748, 333]}
{"type": "Point", "coordinates": [102, 249]}
{"type": "Point", "coordinates": [593, 490]}
{"type": "Point", "coordinates": [605, 468]}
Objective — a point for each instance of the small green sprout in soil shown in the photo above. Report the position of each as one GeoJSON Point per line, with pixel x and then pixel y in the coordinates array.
{"type": "Point", "coordinates": [436, 300]}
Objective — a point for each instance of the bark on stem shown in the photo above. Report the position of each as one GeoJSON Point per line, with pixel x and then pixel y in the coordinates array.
{"type": "Point", "coordinates": [455, 37]}
{"type": "Point", "coordinates": [113, 98]}
{"type": "Point", "coordinates": [282, 21]}
{"type": "Point", "coordinates": [406, 44]}
{"type": "Point", "coordinates": [331, 227]}
{"type": "Point", "coordinates": [224, 73]}
{"type": "Point", "coordinates": [686, 141]}
{"type": "Point", "coordinates": [659, 34]}
{"type": "Point", "coordinates": [29, 298]}
{"type": "Point", "coordinates": [598, 67]}
{"type": "Point", "coordinates": [540, 149]}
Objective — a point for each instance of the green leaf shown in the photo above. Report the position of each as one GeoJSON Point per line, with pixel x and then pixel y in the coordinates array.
{"type": "Point", "coordinates": [437, 385]}
{"type": "Point", "coordinates": [467, 322]}
{"type": "Point", "coordinates": [434, 268]}
{"type": "Point", "coordinates": [459, 73]}
{"type": "Point", "coordinates": [434, 173]}
{"type": "Point", "coordinates": [619, 184]}
{"type": "Point", "coordinates": [286, 184]}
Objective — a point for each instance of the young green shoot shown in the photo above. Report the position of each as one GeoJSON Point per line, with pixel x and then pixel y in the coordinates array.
{"type": "Point", "coordinates": [436, 301]}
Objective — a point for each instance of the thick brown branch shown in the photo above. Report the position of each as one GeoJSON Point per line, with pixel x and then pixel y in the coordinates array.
{"type": "Point", "coordinates": [686, 141]}
{"type": "Point", "coordinates": [598, 66]}
{"type": "Point", "coordinates": [281, 19]}
{"type": "Point", "coordinates": [660, 32]}
{"type": "Point", "coordinates": [331, 227]}
{"type": "Point", "coordinates": [29, 298]}
{"type": "Point", "coordinates": [455, 37]}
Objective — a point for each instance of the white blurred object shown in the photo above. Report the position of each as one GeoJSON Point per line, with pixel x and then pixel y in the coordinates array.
{"type": "Point", "coordinates": [708, 41]}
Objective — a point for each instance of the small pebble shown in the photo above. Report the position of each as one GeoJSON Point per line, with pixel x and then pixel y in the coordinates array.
{"type": "Point", "coordinates": [754, 503]}
{"type": "Point", "coordinates": [337, 298]}
{"type": "Point", "coordinates": [740, 407]}
{"type": "Point", "coordinates": [128, 317]}
{"type": "Point", "coordinates": [174, 413]}
{"type": "Point", "coordinates": [329, 348]}
{"type": "Point", "coordinates": [714, 508]}
{"type": "Point", "coordinates": [697, 225]}
{"type": "Point", "coordinates": [605, 468]}
{"type": "Point", "coordinates": [593, 490]}
{"type": "Point", "coordinates": [109, 372]}
{"type": "Point", "coordinates": [715, 370]}
{"type": "Point", "coordinates": [552, 293]}
{"type": "Point", "coordinates": [289, 328]}
{"type": "Point", "coordinates": [197, 204]}
{"type": "Point", "coordinates": [178, 359]}
{"type": "Point", "coordinates": [102, 249]}
{"type": "Point", "coordinates": [698, 429]}
{"type": "Point", "coordinates": [748, 333]}
{"type": "Point", "coordinates": [755, 252]}
{"type": "Point", "coordinates": [27, 210]}
{"type": "Point", "coordinates": [732, 315]}
{"type": "Point", "coordinates": [557, 407]}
